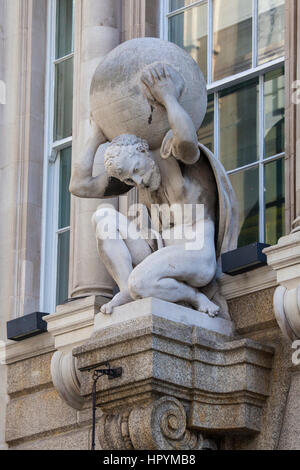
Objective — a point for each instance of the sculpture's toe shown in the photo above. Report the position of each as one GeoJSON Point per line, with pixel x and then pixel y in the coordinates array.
{"type": "Point", "coordinates": [204, 305]}
{"type": "Point", "coordinates": [120, 299]}
{"type": "Point", "coordinates": [107, 309]}
{"type": "Point", "coordinates": [213, 311]}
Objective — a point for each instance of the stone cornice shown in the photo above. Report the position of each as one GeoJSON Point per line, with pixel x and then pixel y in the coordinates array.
{"type": "Point", "coordinates": [70, 326]}
{"type": "Point", "coordinates": [243, 284]}
{"type": "Point", "coordinates": [12, 351]}
{"type": "Point", "coordinates": [73, 323]}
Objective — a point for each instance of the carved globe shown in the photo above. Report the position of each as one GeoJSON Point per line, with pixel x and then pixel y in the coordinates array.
{"type": "Point", "coordinates": [118, 100]}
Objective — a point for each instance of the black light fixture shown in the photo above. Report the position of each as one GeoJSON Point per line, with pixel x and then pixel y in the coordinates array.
{"type": "Point", "coordinates": [26, 326]}
{"type": "Point", "coordinates": [244, 259]}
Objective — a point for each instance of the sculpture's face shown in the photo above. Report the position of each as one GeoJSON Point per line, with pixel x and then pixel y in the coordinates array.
{"type": "Point", "coordinates": [134, 167]}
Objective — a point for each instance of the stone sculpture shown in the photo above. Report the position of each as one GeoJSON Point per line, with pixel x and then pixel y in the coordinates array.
{"type": "Point", "coordinates": [148, 99]}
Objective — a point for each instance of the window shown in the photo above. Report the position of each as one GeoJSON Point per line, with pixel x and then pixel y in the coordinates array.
{"type": "Point", "coordinates": [55, 256]}
{"type": "Point", "coordinates": [239, 45]}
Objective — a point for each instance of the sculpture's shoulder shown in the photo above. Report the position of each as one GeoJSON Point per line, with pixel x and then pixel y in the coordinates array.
{"type": "Point", "coordinates": [228, 220]}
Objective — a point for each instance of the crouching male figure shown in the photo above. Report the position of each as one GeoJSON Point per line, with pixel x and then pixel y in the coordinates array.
{"type": "Point", "coordinates": [179, 174]}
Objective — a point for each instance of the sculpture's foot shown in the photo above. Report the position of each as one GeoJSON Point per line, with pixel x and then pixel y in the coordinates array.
{"type": "Point", "coordinates": [206, 306]}
{"type": "Point", "coordinates": [121, 298]}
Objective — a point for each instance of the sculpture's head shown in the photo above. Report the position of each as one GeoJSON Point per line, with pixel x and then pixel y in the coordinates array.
{"type": "Point", "coordinates": [127, 159]}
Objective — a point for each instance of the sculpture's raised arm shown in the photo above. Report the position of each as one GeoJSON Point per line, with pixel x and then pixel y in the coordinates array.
{"type": "Point", "coordinates": [165, 85]}
{"type": "Point", "coordinates": [83, 183]}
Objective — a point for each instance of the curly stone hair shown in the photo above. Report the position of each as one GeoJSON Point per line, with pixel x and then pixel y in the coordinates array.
{"type": "Point", "coordinates": [130, 139]}
{"type": "Point", "coordinates": [112, 162]}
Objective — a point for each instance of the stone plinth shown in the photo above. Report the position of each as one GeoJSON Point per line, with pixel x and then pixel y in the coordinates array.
{"type": "Point", "coordinates": [168, 353]}
{"type": "Point", "coordinates": [173, 312]}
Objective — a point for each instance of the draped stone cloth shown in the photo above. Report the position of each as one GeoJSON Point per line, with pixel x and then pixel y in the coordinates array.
{"type": "Point", "coordinates": [227, 228]}
{"type": "Point", "coordinates": [227, 224]}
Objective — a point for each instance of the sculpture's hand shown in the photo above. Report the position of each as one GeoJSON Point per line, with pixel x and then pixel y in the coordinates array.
{"type": "Point", "coordinates": [165, 85]}
{"type": "Point", "coordinates": [162, 83]}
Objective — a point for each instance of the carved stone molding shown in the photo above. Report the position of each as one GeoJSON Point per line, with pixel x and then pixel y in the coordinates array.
{"type": "Point", "coordinates": [72, 324]}
{"type": "Point", "coordinates": [160, 425]}
{"type": "Point", "coordinates": [66, 379]}
{"type": "Point", "coordinates": [287, 311]}
{"type": "Point", "coordinates": [296, 225]}
{"type": "Point", "coordinates": [284, 258]}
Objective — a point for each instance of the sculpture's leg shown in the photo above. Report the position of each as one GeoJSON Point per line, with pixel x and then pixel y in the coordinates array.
{"type": "Point", "coordinates": [174, 274]}
{"type": "Point", "coordinates": [118, 252]}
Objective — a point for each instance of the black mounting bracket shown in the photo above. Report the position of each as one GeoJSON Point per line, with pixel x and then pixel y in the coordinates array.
{"type": "Point", "coordinates": [111, 374]}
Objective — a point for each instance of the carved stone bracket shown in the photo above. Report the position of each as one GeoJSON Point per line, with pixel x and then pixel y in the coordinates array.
{"type": "Point", "coordinates": [70, 326]}
{"type": "Point", "coordinates": [222, 382]}
{"type": "Point", "coordinates": [160, 425]}
{"type": "Point", "coordinates": [66, 379]}
{"type": "Point", "coordinates": [284, 258]}
{"type": "Point", "coordinates": [287, 311]}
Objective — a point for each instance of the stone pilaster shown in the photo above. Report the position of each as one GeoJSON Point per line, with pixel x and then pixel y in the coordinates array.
{"type": "Point", "coordinates": [22, 74]}
{"type": "Point", "coordinates": [296, 224]}
{"type": "Point", "coordinates": [292, 130]}
{"type": "Point", "coordinates": [140, 18]}
{"type": "Point", "coordinates": [284, 257]}
{"type": "Point", "coordinates": [23, 26]}
{"type": "Point", "coordinates": [97, 31]}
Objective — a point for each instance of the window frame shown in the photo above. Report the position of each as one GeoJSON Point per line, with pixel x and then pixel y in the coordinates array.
{"type": "Point", "coordinates": [52, 149]}
{"type": "Point", "coordinates": [214, 88]}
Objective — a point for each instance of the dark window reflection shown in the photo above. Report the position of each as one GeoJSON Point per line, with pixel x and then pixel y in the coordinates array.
{"type": "Point", "coordinates": [239, 136]}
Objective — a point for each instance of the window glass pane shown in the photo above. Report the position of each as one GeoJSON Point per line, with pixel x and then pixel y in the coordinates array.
{"type": "Point", "coordinates": [63, 99]}
{"type": "Point", "coordinates": [271, 29]}
{"type": "Point", "coordinates": [232, 37]}
{"type": "Point", "coordinates": [175, 4]}
{"type": "Point", "coordinates": [239, 136]}
{"type": "Point", "coordinates": [274, 201]}
{"type": "Point", "coordinates": [206, 131]}
{"type": "Point", "coordinates": [62, 268]}
{"type": "Point", "coordinates": [274, 112]}
{"type": "Point", "coordinates": [189, 31]}
{"type": "Point", "coordinates": [246, 186]}
{"type": "Point", "coordinates": [64, 27]}
{"type": "Point", "coordinates": [64, 194]}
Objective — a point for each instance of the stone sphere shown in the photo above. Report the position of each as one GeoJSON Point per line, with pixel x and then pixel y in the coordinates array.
{"type": "Point", "coordinates": [118, 99]}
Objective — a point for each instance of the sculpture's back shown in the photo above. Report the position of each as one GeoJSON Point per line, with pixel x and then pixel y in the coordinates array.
{"type": "Point", "coordinates": [118, 100]}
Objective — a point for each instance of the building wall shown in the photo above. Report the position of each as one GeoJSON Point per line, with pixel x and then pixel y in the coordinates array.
{"type": "Point", "coordinates": [23, 45]}
{"type": "Point", "coordinates": [25, 367]}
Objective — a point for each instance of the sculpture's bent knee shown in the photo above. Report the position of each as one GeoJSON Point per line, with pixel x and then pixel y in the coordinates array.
{"type": "Point", "coordinates": [205, 276]}
{"type": "Point", "coordinates": [139, 286]}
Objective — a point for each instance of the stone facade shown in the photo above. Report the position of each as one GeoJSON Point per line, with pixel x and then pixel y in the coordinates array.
{"type": "Point", "coordinates": [179, 379]}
